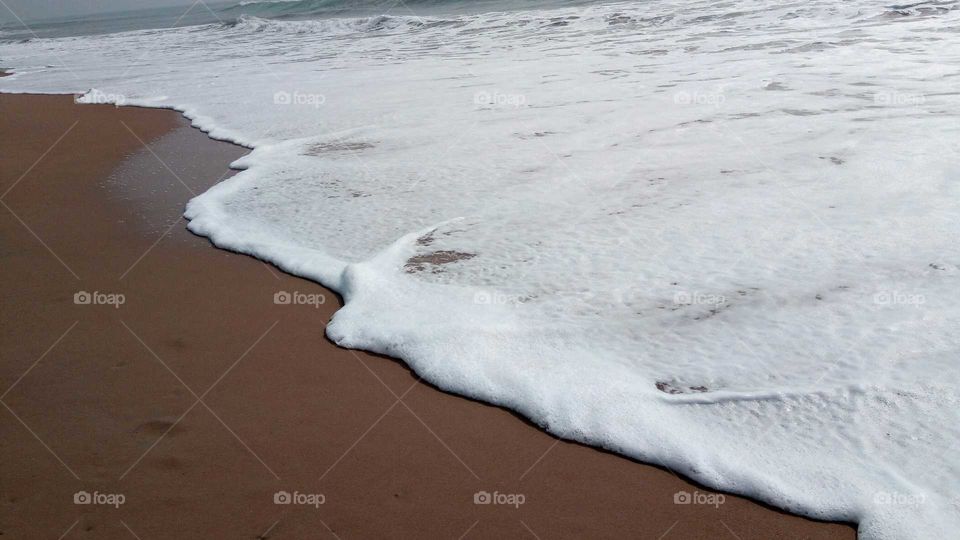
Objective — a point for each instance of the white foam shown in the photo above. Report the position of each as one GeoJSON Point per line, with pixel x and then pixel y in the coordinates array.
{"type": "Point", "coordinates": [723, 241]}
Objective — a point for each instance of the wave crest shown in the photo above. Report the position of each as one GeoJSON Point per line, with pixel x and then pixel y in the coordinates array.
{"type": "Point", "coordinates": [253, 24]}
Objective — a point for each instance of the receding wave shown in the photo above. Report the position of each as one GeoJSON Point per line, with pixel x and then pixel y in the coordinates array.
{"type": "Point", "coordinates": [306, 9]}
{"type": "Point", "coordinates": [283, 9]}
{"type": "Point", "coordinates": [253, 24]}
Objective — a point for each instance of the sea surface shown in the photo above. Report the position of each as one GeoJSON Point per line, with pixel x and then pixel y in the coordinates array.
{"type": "Point", "coordinates": [717, 236]}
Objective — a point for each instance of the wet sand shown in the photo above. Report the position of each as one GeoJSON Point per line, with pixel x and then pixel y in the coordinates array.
{"type": "Point", "coordinates": [199, 398]}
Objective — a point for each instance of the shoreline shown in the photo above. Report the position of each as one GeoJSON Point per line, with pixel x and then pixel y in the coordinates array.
{"type": "Point", "coordinates": [288, 412]}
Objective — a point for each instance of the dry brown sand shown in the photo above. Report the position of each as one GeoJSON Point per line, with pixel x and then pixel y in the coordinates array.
{"type": "Point", "coordinates": [199, 398]}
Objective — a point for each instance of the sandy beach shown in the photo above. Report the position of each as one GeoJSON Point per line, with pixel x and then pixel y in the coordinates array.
{"type": "Point", "coordinates": [168, 382]}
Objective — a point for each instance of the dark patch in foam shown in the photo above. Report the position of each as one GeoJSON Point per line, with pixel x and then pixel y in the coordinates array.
{"type": "Point", "coordinates": [535, 134]}
{"type": "Point", "coordinates": [816, 46]}
{"type": "Point", "coordinates": [561, 21]}
{"type": "Point", "coordinates": [712, 312]}
{"type": "Point", "coordinates": [674, 388]}
{"type": "Point", "coordinates": [420, 263]}
{"type": "Point", "coordinates": [918, 9]}
{"type": "Point", "coordinates": [426, 239]}
{"type": "Point", "coordinates": [799, 112]}
{"type": "Point", "coordinates": [619, 18]}
{"type": "Point", "coordinates": [337, 146]}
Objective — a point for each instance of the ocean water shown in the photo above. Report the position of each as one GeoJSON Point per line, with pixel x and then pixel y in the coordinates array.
{"type": "Point", "coordinates": [718, 236]}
